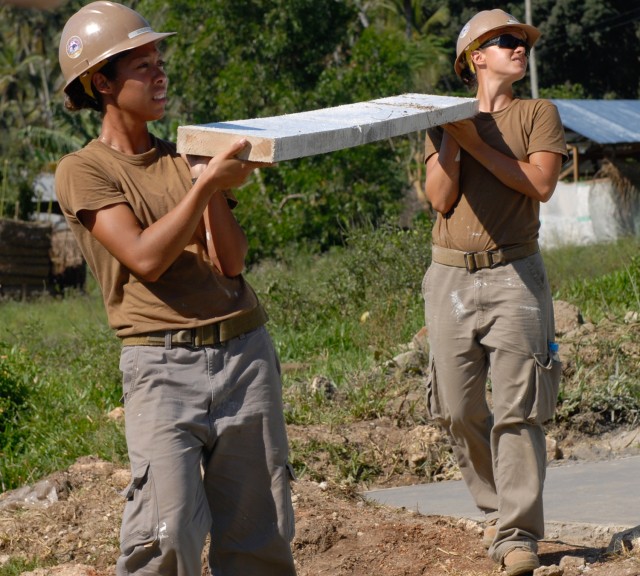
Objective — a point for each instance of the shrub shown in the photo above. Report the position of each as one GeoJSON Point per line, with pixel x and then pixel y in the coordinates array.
{"type": "Point", "coordinates": [17, 379]}
{"type": "Point", "coordinates": [16, 375]}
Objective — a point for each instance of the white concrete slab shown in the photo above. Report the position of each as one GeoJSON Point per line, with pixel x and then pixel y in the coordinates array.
{"type": "Point", "coordinates": [602, 495]}
{"type": "Point", "coordinates": [278, 138]}
{"type": "Point", "coordinates": [604, 492]}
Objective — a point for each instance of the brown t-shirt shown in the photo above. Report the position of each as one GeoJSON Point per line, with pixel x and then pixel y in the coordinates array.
{"type": "Point", "coordinates": [191, 292]}
{"type": "Point", "coordinates": [488, 214]}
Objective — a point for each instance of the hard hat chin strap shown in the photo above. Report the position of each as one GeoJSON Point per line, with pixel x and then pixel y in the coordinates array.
{"type": "Point", "coordinates": [467, 55]}
{"type": "Point", "coordinates": [85, 78]}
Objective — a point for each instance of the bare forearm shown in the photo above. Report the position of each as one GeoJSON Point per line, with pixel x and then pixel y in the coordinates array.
{"type": "Point", "coordinates": [443, 176]}
{"type": "Point", "coordinates": [536, 178]}
{"type": "Point", "coordinates": [226, 241]}
{"type": "Point", "coordinates": [147, 252]}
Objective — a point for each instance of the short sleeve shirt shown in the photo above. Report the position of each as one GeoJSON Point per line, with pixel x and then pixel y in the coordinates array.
{"type": "Point", "coordinates": [488, 214]}
{"type": "Point", "coordinates": [192, 292]}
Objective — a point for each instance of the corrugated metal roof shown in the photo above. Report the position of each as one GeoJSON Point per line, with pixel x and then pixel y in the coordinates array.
{"type": "Point", "coordinates": [603, 121]}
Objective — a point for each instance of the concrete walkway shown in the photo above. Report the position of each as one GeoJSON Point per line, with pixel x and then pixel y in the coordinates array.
{"type": "Point", "coordinates": [585, 503]}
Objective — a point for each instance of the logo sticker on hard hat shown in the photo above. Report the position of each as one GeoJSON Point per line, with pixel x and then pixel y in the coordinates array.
{"type": "Point", "coordinates": [74, 47]}
{"type": "Point", "coordinates": [464, 31]}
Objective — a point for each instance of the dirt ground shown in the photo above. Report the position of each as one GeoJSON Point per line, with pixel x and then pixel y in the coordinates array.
{"type": "Point", "coordinates": [337, 534]}
{"type": "Point", "coordinates": [70, 521]}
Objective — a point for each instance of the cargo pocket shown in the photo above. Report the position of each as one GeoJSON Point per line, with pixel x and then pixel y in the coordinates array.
{"type": "Point", "coordinates": [547, 384]}
{"type": "Point", "coordinates": [139, 524]}
{"type": "Point", "coordinates": [434, 407]}
{"type": "Point", "coordinates": [281, 491]}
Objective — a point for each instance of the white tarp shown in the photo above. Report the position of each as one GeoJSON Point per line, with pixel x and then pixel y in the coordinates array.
{"type": "Point", "coordinates": [586, 212]}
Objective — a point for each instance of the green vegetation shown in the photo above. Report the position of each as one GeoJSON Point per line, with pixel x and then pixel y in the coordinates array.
{"type": "Point", "coordinates": [231, 60]}
{"type": "Point", "coordinates": [351, 305]}
{"type": "Point", "coordinates": [17, 378]}
{"type": "Point", "coordinates": [343, 315]}
{"type": "Point", "coordinates": [604, 279]}
{"type": "Point", "coordinates": [612, 294]}
{"type": "Point", "coordinates": [601, 380]}
{"type": "Point", "coordinates": [17, 566]}
{"type": "Point", "coordinates": [59, 369]}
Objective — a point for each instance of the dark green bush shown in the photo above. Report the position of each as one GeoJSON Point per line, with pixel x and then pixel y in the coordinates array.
{"type": "Point", "coordinates": [17, 375]}
{"type": "Point", "coordinates": [17, 380]}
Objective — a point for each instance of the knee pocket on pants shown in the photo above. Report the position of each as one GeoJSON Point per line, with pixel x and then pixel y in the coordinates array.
{"type": "Point", "coordinates": [139, 522]}
{"type": "Point", "coordinates": [547, 384]}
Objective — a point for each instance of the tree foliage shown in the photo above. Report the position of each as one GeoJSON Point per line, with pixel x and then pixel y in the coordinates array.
{"type": "Point", "coordinates": [35, 130]}
{"type": "Point", "coordinates": [250, 58]}
{"type": "Point", "coordinates": [593, 43]}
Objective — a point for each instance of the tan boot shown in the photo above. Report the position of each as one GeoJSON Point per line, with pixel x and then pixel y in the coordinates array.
{"type": "Point", "coordinates": [520, 561]}
{"type": "Point", "coordinates": [489, 535]}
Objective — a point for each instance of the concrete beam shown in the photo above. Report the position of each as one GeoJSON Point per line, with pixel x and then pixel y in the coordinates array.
{"type": "Point", "coordinates": [279, 138]}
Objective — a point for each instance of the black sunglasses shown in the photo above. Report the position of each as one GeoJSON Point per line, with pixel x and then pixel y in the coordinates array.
{"type": "Point", "coordinates": [507, 41]}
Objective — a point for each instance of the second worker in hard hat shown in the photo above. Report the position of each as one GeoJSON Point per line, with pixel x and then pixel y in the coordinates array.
{"type": "Point", "coordinates": [488, 304]}
{"type": "Point", "coordinates": [201, 380]}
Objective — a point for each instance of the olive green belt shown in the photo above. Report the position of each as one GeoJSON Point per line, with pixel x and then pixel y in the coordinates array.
{"type": "Point", "coordinates": [473, 261]}
{"type": "Point", "coordinates": [208, 335]}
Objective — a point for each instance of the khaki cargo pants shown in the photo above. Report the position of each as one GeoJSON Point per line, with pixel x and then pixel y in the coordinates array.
{"type": "Point", "coordinates": [495, 325]}
{"type": "Point", "coordinates": [208, 450]}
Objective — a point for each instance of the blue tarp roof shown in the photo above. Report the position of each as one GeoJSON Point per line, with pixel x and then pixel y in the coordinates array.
{"type": "Point", "coordinates": [603, 121]}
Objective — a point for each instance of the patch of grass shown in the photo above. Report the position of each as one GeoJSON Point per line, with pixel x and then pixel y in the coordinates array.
{"type": "Point", "coordinates": [613, 294]}
{"type": "Point", "coordinates": [17, 566]}
{"type": "Point", "coordinates": [569, 265]}
{"type": "Point", "coordinates": [602, 388]}
{"type": "Point", "coordinates": [368, 396]}
{"type": "Point", "coordinates": [361, 396]}
{"type": "Point", "coordinates": [17, 379]}
{"type": "Point", "coordinates": [68, 363]}
{"type": "Point", "coordinates": [345, 460]}
{"type": "Point", "coordinates": [594, 409]}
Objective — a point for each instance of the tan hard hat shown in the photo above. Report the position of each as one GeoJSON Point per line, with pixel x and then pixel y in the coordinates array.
{"type": "Point", "coordinates": [96, 32]}
{"type": "Point", "coordinates": [478, 29]}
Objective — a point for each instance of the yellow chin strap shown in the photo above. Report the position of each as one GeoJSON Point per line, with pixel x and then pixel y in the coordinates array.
{"type": "Point", "coordinates": [467, 55]}
{"type": "Point", "coordinates": [85, 78]}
